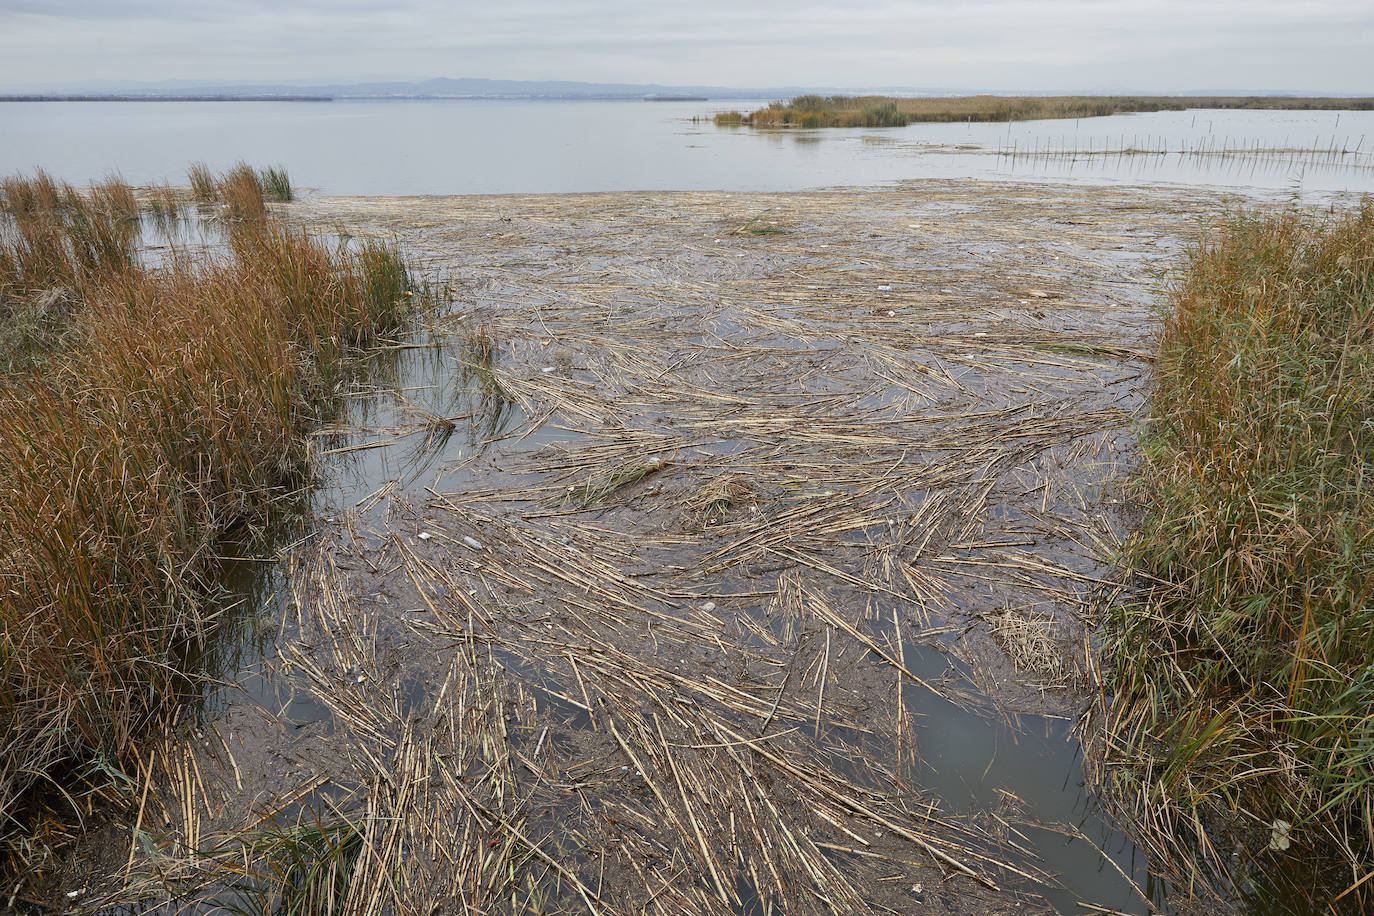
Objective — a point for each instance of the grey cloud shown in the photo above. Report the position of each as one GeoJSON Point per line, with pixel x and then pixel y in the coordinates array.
{"type": "Point", "coordinates": [1037, 44]}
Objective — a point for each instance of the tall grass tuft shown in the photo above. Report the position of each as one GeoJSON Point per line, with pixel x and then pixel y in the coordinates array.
{"type": "Point", "coordinates": [276, 184]}
{"type": "Point", "coordinates": [1242, 674]}
{"type": "Point", "coordinates": [240, 191]}
{"type": "Point", "coordinates": [55, 240]}
{"type": "Point", "coordinates": [172, 417]}
{"type": "Point", "coordinates": [204, 187]}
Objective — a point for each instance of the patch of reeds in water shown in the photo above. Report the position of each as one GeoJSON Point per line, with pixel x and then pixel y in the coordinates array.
{"type": "Point", "coordinates": [169, 417]}
{"type": "Point", "coordinates": [242, 190]}
{"type": "Point", "coordinates": [1244, 694]}
{"type": "Point", "coordinates": [815, 111]}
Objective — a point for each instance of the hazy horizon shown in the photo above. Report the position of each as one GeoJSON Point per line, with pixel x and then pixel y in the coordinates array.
{"type": "Point", "coordinates": [979, 46]}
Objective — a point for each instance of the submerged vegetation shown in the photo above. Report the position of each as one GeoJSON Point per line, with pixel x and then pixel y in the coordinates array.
{"type": "Point", "coordinates": [152, 416]}
{"type": "Point", "coordinates": [1244, 693]}
{"type": "Point", "coordinates": [814, 111]}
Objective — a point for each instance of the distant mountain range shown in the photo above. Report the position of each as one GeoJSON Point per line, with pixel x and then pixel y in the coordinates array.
{"type": "Point", "coordinates": [441, 88]}
{"type": "Point", "coordinates": [475, 88]}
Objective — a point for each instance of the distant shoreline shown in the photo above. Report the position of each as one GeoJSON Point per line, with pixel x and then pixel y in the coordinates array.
{"type": "Point", "coordinates": [166, 98]}
{"type": "Point", "coordinates": [816, 111]}
{"type": "Point", "coordinates": [610, 97]}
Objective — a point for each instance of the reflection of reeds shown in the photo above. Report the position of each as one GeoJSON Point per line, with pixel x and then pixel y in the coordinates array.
{"type": "Point", "coordinates": [1210, 151]}
{"type": "Point", "coordinates": [165, 207]}
{"type": "Point", "coordinates": [486, 400]}
{"type": "Point", "coordinates": [173, 420]}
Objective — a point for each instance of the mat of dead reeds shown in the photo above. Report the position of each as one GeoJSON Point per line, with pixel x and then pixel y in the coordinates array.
{"type": "Point", "coordinates": [705, 515]}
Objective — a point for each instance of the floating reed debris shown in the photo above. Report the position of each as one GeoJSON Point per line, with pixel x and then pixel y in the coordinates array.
{"type": "Point", "coordinates": [717, 687]}
{"type": "Point", "coordinates": [169, 420]}
{"type": "Point", "coordinates": [1241, 677]}
{"type": "Point", "coordinates": [815, 111]}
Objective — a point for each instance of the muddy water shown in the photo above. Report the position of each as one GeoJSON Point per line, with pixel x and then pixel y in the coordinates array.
{"type": "Point", "coordinates": [720, 535]}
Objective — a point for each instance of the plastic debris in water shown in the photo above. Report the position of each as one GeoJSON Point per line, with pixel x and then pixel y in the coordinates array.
{"type": "Point", "coordinates": [1278, 837]}
{"type": "Point", "coordinates": [425, 535]}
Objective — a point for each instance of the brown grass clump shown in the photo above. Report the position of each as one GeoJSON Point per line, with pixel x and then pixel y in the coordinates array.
{"type": "Point", "coordinates": [172, 418]}
{"type": "Point", "coordinates": [241, 193]}
{"type": "Point", "coordinates": [204, 188]}
{"type": "Point", "coordinates": [1027, 638]}
{"type": "Point", "coordinates": [720, 496]}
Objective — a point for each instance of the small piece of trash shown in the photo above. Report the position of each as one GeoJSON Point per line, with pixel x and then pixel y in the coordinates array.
{"type": "Point", "coordinates": [884, 289]}
{"type": "Point", "coordinates": [472, 542]}
{"type": "Point", "coordinates": [891, 314]}
{"type": "Point", "coordinates": [709, 606]}
{"type": "Point", "coordinates": [813, 287]}
{"type": "Point", "coordinates": [549, 369]}
{"type": "Point", "coordinates": [72, 895]}
{"type": "Point", "coordinates": [1278, 838]}
{"type": "Point", "coordinates": [425, 535]}
{"type": "Point", "coordinates": [980, 334]}
{"type": "Point", "coordinates": [913, 225]}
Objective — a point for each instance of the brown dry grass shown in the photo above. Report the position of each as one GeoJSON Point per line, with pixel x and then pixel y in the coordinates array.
{"type": "Point", "coordinates": [168, 420]}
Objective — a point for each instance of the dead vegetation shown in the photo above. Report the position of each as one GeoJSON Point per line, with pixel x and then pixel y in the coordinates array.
{"type": "Point", "coordinates": [671, 637]}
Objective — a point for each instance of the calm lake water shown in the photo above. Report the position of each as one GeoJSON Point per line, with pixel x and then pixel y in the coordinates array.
{"type": "Point", "coordinates": [468, 147]}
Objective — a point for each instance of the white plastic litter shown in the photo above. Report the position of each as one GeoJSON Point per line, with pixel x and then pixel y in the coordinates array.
{"type": "Point", "coordinates": [472, 542]}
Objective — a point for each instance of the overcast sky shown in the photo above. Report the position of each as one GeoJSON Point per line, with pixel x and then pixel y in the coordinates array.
{"type": "Point", "coordinates": [1164, 45]}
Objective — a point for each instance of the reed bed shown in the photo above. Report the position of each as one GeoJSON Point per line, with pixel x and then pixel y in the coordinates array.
{"type": "Point", "coordinates": [1241, 672]}
{"type": "Point", "coordinates": [166, 426]}
{"type": "Point", "coordinates": [660, 640]}
{"type": "Point", "coordinates": [816, 111]}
